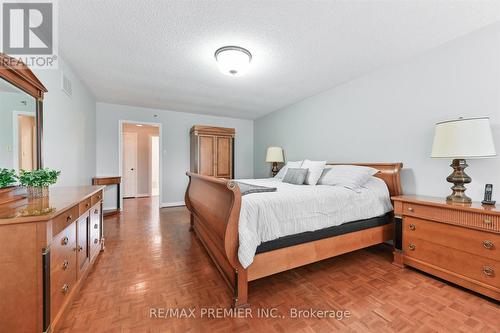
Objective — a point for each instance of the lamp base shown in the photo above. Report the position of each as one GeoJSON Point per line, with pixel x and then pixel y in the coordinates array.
{"type": "Point", "coordinates": [274, 169]}
{"type": "Point", "coordinates": [458, 178]}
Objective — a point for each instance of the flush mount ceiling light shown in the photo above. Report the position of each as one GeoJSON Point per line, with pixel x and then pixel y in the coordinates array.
{"type": "Point", "coordinates": [233, 60]}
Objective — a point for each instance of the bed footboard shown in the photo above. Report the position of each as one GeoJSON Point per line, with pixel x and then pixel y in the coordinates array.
{"type": "Point", "coordinates": [215, 208]}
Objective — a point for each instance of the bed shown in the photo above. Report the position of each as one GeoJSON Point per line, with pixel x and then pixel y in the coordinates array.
{"type": "Point", "coordinates": [288, 237]}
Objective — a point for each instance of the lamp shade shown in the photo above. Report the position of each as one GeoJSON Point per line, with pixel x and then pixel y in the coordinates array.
{"type": "Point", "coordinates": [463, 138]}
{"type": "Point", "coordinates": [274, 154]}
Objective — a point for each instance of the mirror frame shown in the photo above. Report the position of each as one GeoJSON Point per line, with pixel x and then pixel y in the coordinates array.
{"type": "Point", "coordinates": [19, 75]}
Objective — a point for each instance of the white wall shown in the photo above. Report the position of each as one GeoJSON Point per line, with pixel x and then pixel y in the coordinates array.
{"type": "Point", "coordinates": [68, 127]}
{"type": "Point", "coordinates": [175, 136]}
{"type": "Point", "coordinates": [389, 115]}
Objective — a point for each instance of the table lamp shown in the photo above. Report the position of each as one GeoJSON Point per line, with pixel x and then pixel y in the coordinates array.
{"type": "Point", "coordinates": [460, 139]}
{"type": "Point", "coordinates": [274, 155]}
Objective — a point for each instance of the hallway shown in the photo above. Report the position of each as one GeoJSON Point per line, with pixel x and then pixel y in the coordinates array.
{"type": "Point", "coordinates": [153, 261]}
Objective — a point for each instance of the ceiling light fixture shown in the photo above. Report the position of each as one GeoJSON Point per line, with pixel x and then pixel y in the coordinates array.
{"type": "Point", "coordinates": [233, 60]}
{"type": "Point", "coordinates": [138, 125]}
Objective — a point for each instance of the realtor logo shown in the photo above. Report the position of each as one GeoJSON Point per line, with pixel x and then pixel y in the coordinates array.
{"type": "Point", "coordinates": [29, 32]}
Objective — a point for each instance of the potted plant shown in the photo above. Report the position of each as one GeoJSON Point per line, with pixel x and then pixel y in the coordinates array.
{"type": "Point", "coordinates": [7, 177]}
{"type": "Point", "coordinates": [37, 181]}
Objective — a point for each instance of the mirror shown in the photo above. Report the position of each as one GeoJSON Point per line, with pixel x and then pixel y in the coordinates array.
{"type": "Point", "coordinates": [21, 118]}
{"type": "Point", "coordinates": [18, 128]}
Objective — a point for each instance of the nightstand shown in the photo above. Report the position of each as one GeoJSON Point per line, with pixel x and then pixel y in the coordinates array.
{"type": "Point", "coordinates": [456, 242]}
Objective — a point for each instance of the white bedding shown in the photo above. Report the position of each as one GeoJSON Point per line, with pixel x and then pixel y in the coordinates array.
{"type": "Point", "coordinates": [293, 209]}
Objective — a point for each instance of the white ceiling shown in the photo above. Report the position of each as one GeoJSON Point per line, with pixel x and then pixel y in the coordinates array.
{"type": "Point", "coordinates": [160, 53]}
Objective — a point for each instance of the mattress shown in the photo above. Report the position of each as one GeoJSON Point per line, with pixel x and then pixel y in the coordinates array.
{"type": "Point", "coordinates": [296, 209]}
{"type": "Point", "coordinates": [310, 236]}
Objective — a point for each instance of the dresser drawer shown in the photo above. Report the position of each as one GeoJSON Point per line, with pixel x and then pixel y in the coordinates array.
{"type": "Point", "coordinates": [62, 247]}
{"type": "Point", "coordinates": [61, 221]}
{"type": "Point", "coordinates": [478, 268]}
{"type": "Point", "coordinates": [453, 216]}
{"type": "Point", "coordinates": [95, 230]}
{"type": "Point", "coordinates": [96, 198]}
{"type": "Point", "coordinates": [84, 205]}
{"type": "Point", "coordinates": [60, 288]}
{"type": "Point", "coordinates": [95, 247]}
{"type": "Point", "coordinates": [62, 266]}
{"type": "Point", "coordinates": [477, 242]}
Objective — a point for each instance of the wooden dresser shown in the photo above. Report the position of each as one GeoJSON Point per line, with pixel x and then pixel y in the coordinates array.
{"type": "Point", "coordinates": [212, 151]}
{"type": "Point", "coordinates": [47, 246]}
{"type": "Point", "coordinates": [456, 242]}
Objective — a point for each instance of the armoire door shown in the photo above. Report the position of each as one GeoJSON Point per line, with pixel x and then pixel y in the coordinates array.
{"type": "Point", "coordinates": [224, 157]}
{"type": "Point", "coordinates": [206, 155]}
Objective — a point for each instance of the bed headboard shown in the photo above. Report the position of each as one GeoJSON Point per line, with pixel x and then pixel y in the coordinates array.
{"type": "Point", "coordinates": [389, 173]}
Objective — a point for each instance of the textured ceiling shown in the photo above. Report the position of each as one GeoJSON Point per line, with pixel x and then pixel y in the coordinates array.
{"type": "Point", "coordinates": [160, 53]}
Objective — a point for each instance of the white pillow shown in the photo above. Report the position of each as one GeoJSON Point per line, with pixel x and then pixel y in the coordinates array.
{"type": "Point", "coordinates": [289, 164]}
{"type": "Point", "coordinates": [315, 170]}
{"type": "Point", "coordinates": [349, 176]}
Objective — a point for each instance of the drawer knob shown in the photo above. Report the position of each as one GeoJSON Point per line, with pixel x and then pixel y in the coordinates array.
{"type": "Point", "coordinates": [95, 241]}
{"type": "Point", "coordinates": [96, 211]}
{"type": "Point", "coordinates": [410, 209]}
{"type": "Point", "coordinates": [69, 218]}
{"type": "Point", "coordinates": [487, 221]}
{"type": "Point", "coordinates": [411, 246]}
{"type": "Point", "coordinates": [65, 264]}
{"type": "Point", "coordinates": [65, 289]}
{"type": "Point", "coordinates": [96, 226]}
{"type": "Point", "coordinates": [64, 241]}
{"type": "Point", "coordinates": [87, 205]}
{"type": "Point", "coordinates": [412, 226]}
{"type": "Point", "coordinates": [488, 244]}
{"type": "Point", "coordinates": [488, 271]}
{"type": "Point", "coordinates": [99, 197]}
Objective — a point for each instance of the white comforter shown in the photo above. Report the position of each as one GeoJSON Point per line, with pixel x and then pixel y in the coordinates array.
{"type": "Point", "coordinates": [293, 209]}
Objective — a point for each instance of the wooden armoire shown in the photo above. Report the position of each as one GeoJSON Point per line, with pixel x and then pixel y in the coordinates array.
{"type": "Point", "coordinates": [212, 151]}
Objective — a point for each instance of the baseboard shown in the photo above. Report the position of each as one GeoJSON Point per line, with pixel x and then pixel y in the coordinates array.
{"type": "Point", "coordinates": [172, 204]}
{"type": "Point", "coordinates": [163, 205]}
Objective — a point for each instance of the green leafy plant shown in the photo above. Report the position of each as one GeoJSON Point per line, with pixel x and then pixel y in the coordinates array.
{"type": "Point", "coordinates": [38, 178]}
{"type": "Point", "coordinates": [7, 177]}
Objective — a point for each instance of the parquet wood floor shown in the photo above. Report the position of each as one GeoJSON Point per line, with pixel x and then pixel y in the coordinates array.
{"type": "Point", "coordinates": [152, 260]}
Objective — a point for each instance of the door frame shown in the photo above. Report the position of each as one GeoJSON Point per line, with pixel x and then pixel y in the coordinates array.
{"type": "Point", "coordinates": [120, 154]}
{"type": "Point", "coordinates": [150, 178]}
{"type": "Point", "coordinates": [15, 136]}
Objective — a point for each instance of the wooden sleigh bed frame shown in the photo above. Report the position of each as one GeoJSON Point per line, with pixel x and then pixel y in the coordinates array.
{"type": "Point", "coordinates": [215, 209]}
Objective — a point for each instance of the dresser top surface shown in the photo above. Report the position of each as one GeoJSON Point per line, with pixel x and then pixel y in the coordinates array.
{"type": "Point", "coordinates": [44, 209]}
{"type": "Point", "coordinates": [107, 180]}
{"type": "Point", "coordinates": [441, 202]}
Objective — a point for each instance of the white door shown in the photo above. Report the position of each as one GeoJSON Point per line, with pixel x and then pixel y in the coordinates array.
{"type": "Point", "coordinates": [129, 165]}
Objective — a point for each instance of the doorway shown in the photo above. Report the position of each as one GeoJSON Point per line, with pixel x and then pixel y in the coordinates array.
{"type": "Point", "coordinates": [140, 160]}
{"type": "Point", "coordinates": [129, 164]}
